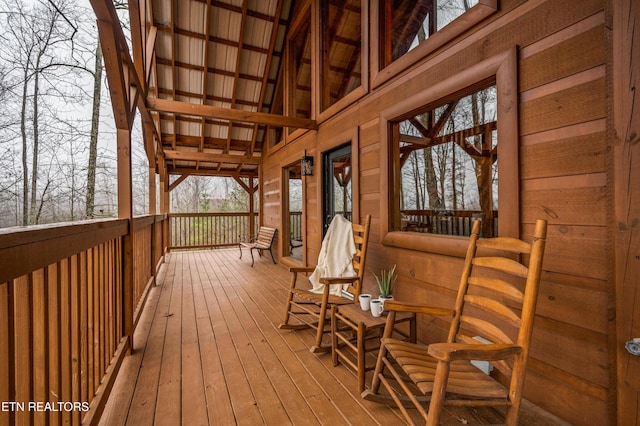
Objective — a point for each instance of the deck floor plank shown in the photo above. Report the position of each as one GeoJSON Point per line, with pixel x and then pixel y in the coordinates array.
{"type": "Point", "coordinates": [217, 396]}
{"type": "Point", "coordinates": [143, 404]}
{"type": "Point", "coordinates": [194, 406]}
{"type": "Point", "coordinates": [208, 351]}
{"type": "Point", "coordinates": [169, 399]}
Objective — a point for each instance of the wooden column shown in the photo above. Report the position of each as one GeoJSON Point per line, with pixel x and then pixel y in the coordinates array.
{"type": "Point", "coordinates": [125, 211]}
{"type": "Point", "coordinates": [152, 190]}
{"type": "Point", "coordinates": [164, 200]}
{"type": "Point", "coordinates": [252, 191]}
{"type": "Point", "coordinates": [125, 197]}
{"type": "Point", "coordinates": [626, 224]}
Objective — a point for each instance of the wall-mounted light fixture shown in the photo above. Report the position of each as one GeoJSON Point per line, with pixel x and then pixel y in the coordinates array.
{"type": "Point", "coordinates": [307, 165]}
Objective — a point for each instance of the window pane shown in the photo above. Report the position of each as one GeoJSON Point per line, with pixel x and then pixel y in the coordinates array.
{"type": "Point", "coordinates": [408, 23]}
{"type": "Point", "coordinates": [300, 68]}
{"type": "Point", "coordinates": [342, 39]}
{"type": "Point", "coordinates": [448, 170]}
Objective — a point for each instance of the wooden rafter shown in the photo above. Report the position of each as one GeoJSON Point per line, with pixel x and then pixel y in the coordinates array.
{"type": "Point", "coordinates": [205, 76]}
{"type": "Point", "coordinates": [173, 72]}
{"type": "Point", "coordinates": [234, 91]}
{"type": "Point", "coordinates": [177, 107]}
{"type": "Point", "coordinates": [265, 75]}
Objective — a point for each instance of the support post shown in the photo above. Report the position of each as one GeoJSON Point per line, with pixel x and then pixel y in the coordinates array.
{"type": "Point", "coordinates": [252, 221]}
{"type": "Point", "coordinates": [125, 211]}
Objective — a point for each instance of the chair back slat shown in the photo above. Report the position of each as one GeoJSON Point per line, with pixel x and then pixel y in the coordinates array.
{"type": "Point", "coordinates": [494, 307]}
{"type": "Point", "coordinates": [361, 240]}
{"type": "Point", "coordinates": [266, 235]}
{"type": "Point", "coordinates": [496, 285]}
{"type": "Point", "coordinates": [512, 245]}
{"type": "Point", "coordinates": [484, 329]}
{"type": "Point", "coordinates": [502, 264]}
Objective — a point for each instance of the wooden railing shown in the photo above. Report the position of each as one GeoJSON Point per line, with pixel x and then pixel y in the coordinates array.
{"type": "Point", "coordinates": [446, 222]}
{"type": "Point", "coordinates": [209, 230]}
{"type": "Point", "coordinates": [69, 300]}
{"type": "Point", "coordinates": [295, 226]}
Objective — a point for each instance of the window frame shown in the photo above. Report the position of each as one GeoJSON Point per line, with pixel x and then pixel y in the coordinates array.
{"type": "Point", "coordinates": [381, 73]}
{"type": "Point", "coordinates": [304, 18]}
{"type": "Point", "coordinates": [504, 69]}
{"type": "Point", "coordinates": [327, 112]}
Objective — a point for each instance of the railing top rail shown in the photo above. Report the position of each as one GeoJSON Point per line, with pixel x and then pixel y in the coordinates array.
{"type": "Point", "coordinates": [446, 212]}
{"type": "Point", "coordinates": [27, 249]}
{"type": "Point", "coordinates": [20, 235]}
{"type": "Point", "coordinates": [212, 214]}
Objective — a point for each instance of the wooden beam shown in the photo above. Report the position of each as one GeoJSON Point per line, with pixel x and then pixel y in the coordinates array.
{"type": "Point", "coordinates": [118, 91]}
{"type": "Point", "coordinates": [151, 48]}
{"type": "Point", "coordinates": [205, 172]}
{"type": "Point", "coordinates": [244, 186]}
{"type": "Point", "coordinates": [177, 182]}
{"type": "Point", "coordinates": [152, 191]}
{"type": "Point", "coordinates": [125, 197]}
{"type": "Point", "coordinates": [209, 157]}
{"type": "Point", "coordinates": [138, 36]}
{"type": "Point", "coordinates": [178, 107]}
{"type": "Point", "coordinates": [114, 36]}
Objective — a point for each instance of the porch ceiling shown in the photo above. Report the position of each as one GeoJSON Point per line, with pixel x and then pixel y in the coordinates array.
{"type": "Point", "coordinates": [212, 82]}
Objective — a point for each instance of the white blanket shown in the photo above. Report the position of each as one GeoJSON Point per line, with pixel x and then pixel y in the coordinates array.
{"type": "Point", "coordinates": [336, 255]}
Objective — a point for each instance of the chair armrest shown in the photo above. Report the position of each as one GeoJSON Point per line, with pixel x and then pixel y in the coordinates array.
{"type": "Point", "coordinates": [296, 269]}
{"type": "Point", "coordinates": [469, 351]}
{"type": "Point", "coordinates": [337, 280]}
{"type": "Point", "coordinates": [394, 305]}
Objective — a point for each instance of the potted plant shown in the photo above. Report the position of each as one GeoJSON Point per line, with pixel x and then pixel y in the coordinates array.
{"type": "Point", "coordinates": [386, 282]}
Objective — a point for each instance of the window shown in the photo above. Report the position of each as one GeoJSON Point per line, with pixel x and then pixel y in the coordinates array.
{"type": "Point", "coordinates": [447, 165]}
{"type": "Point", "coordinates": [408, 23]}
{"type": "Point", "coordinates": [472, 115]}
{"type": "Point", "coordinates": [299, 67]}
{"type": "Point", "coordinates": [409, 30]}
{"type": "Point", "coordinates": [342, 49]}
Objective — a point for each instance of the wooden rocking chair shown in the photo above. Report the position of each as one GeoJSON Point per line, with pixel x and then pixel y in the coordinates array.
{"type": "Point", "coordinates": [491, 326]}
{"type": "Point", "coordinates": [311, 310]}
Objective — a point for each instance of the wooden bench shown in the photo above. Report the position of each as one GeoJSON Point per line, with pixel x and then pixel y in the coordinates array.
{"type": "Point", "coordinates": [262, 242]}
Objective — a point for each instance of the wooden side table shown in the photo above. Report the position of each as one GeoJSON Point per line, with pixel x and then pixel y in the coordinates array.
{"type": "Point", "coordinates": [355, 332]}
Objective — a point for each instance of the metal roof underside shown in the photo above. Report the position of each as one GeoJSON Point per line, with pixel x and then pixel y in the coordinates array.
{"type": "Point", "coordinates": [223, 55]}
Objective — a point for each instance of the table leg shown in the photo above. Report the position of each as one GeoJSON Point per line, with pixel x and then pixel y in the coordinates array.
{"type": "Point", "coordinates": [362, 332]}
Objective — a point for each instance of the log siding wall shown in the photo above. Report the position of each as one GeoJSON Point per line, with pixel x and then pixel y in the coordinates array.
{"type": "Point", "coordinates": [564, 152]}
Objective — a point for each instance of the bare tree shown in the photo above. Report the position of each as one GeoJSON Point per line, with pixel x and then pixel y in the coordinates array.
{"type": "Point", "coordinates": [93, 144]}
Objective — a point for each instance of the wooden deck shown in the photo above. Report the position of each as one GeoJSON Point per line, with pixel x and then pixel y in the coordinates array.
{"type": "Point", "coordinates": [207, 350]}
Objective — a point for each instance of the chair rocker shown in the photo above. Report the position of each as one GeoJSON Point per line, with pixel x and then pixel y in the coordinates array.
{"type": "Point", "coordinates": [492, 323]}
{"type": "Point", "coordinates": [312, 310]}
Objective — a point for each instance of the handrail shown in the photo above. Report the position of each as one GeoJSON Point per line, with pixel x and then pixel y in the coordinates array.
{"type": "Point", "coordinates": [26, 249]}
